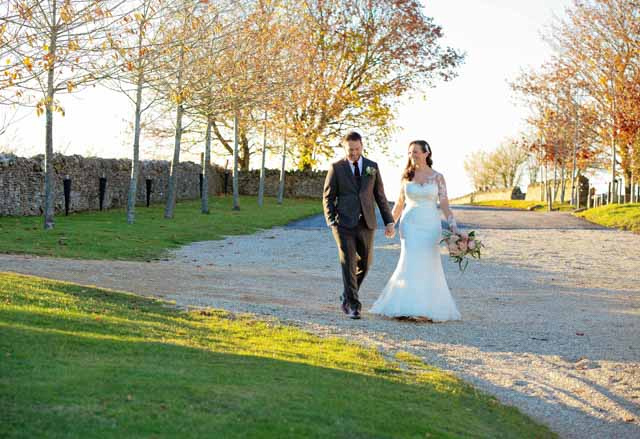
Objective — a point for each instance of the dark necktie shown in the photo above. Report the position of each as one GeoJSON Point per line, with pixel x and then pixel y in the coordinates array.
{"type": "Point", "coordinates": [356, 173]}
{"type": "Point", "coordinates": [356, 170]}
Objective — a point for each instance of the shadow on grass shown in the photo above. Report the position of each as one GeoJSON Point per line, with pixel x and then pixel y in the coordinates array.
{"type": "Point", "coordinates": [84, 363]}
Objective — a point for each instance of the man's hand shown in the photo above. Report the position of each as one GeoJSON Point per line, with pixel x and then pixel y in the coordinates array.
{"type": "Point", "coordinates": [390, 231]}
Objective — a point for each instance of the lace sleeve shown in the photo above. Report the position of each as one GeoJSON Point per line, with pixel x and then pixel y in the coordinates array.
{"type": "Point", "coordinates": [442, 190]}
{"type": "Point", "coordinates": [401, 194]}
{"type": "Point", "coordinates": [444, 202]}
{"type": "Point", "coordinates": [399, 206]}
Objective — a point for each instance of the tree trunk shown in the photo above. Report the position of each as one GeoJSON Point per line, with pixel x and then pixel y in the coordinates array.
{"type": "Point", "coordinates": [548, 188]}
{"type": "Point", "coordinates": [173, 176]}
{"type": "Point", "coordinates": [573, 168]}
{"type": "Point", "coordinates": [542, 183]}
{"type": "Point", "coordinates": [245, 157]}
{"type": "Point", "coordinates": [612, 196]}
{"type": "Point", "coordinates": [305, 155]}
{"type": "Point", "coordinates": [282, 166]}
{"type": "Point", "coordinates": [205, 167]}
{"type": "Point", "coordinates": [262, 168]}
{"type": "Point", "coordinates": [555, 179]}
{"type": "Point", "coordinates": [628, 185]}
{"type": "Point", "coordinates": [236, 191]}
{"type": "Point", "coordinates": [563, 181]}
{"type": "Point", "coordinates": [135, 164]}
{"type": "Point", "coordinates": [49, 194]}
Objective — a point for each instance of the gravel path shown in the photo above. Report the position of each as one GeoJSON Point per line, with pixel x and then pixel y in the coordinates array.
{"type": "Point", "coordinates": [550, 314]}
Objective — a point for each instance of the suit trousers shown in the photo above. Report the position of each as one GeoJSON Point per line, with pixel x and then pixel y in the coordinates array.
{"type": "Point", "coordinates": [355, 251]}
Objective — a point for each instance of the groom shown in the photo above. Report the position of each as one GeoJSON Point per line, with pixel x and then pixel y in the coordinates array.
{"type": "Point", "coordinates": [351, 186]}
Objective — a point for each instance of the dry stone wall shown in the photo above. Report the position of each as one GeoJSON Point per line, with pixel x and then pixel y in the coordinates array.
{"type": "Point", "coordinates": [22, 182]}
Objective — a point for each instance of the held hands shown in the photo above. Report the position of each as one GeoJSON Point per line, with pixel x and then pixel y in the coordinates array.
{"type": "Point", "coordinates": [390, 231]}
{"type": "Point", "coordinates": [452, 224]}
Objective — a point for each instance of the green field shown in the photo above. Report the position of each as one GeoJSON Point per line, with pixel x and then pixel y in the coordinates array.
{"type": "Point", "coordinates": [84, 362]}
{"type": "Point", "coordinates": [621, 216]}
{"type": "Point", "coordinates": [106, 235]}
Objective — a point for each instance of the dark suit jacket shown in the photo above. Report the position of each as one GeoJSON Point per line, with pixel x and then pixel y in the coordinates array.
{"type": "Point", "coordinates": [343, 202]}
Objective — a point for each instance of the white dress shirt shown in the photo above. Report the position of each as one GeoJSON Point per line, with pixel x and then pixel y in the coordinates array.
{"type": "Point", "coordinates": [353, 168]}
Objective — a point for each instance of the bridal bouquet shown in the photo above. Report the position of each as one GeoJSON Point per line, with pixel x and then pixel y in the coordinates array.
{"type": "Point", "coordinates": [461, 246]}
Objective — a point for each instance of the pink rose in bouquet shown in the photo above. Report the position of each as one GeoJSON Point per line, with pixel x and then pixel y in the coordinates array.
{"type": "Point", "coordinates": [461, 246]}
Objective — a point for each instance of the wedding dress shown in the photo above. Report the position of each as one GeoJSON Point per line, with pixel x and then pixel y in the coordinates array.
{"type": "Point", "coordinates": [418, 287]}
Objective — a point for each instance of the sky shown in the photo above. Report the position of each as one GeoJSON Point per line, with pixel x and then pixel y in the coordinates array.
{"type": "Point", "coordinates": [476, 110]}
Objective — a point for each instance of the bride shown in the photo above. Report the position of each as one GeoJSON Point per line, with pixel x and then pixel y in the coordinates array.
{"type": "Point", "coordinates": [418, 287]}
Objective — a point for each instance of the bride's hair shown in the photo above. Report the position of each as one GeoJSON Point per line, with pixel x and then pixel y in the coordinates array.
{"type": "Point", "coordinates": [410, 170]}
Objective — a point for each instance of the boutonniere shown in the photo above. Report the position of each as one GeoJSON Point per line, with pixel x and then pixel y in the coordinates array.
{"type": "Point", "coordinates": [370, 171]}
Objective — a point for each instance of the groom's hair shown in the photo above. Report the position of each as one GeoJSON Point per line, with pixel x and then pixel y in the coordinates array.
{"type": "Point", "coordinates": [352, 135]}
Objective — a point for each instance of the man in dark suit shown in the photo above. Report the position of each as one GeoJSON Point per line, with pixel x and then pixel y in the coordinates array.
{"type": "Point", "coordinates": [350, 189]}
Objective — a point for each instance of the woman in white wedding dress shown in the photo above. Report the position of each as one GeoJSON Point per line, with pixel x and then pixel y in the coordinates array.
{"type": "Point", "coordinates": [418, 287]}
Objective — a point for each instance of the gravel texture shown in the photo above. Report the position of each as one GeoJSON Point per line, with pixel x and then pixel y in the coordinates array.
{"type": "Point", "coordinates": [550, 314]}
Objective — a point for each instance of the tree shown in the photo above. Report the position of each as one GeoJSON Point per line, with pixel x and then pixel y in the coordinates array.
{"type": "Point", "coordinates": [359, 57]}
{"type": "Point", "coordinates": [207, 97]}
{"type": "Point", "coordinates": [185, 29]}
{"type": "Point", "coordinates": [476, 167]}
{"type": "Point", "coordinates": [256, 69]}
{"type": "Point", "coordinates": [600, 41]}
{"type": "Point", "coordinates": [134, 56]}
{"type": "Point", "coordinates": [55, 46]}
{"type": "Point", "coordinates": [498, 169]}
{"type": "Point", "coordinates": [508, 160]}
{"type": "Point", "coordinates": [563, 120]}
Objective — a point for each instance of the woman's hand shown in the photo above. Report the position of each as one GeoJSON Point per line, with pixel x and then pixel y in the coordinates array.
{"type": "Point", "coordinates": [453, 226]}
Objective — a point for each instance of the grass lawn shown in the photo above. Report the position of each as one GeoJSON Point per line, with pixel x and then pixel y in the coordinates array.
{"type": "Point", "coordinates": [84, 362]}
{"type": "Point", "coordinates": [106, 234]}
{"type": "Point", "coordinates": [621, 216]}
{"type": "Point", "coordinates": [524, 204]}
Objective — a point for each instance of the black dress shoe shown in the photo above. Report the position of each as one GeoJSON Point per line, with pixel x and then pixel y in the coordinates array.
{"type": "Point", "coordinates": [354, 314]}
{"type": "Point", "coordinates": [345, 305]}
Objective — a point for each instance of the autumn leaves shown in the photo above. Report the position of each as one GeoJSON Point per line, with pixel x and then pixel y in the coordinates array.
{"type": "Point", "coordinates": [261, 72]}
{"type": "Point", "coordinates": [586, 98]}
